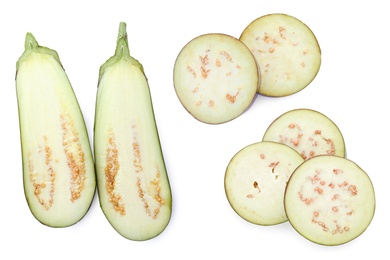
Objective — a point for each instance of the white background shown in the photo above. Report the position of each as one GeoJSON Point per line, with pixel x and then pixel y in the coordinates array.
{"type": "Point", "coordinates": [351, 88]}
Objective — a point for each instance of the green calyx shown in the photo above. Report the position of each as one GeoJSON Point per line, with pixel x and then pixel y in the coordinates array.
{"type": "Point", "coordinates": [31, 46]}
{"type": "Point", "coordinates": [121, 52]}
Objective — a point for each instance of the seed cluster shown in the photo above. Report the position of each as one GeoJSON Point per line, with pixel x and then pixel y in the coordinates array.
{"type": "Point", "coordinates": [38, 183]}
{"type": "Point", "coordinates": [205, 71]}
{"type": "Point", "coordinates": [111, 171]}
{"type": "Point", "coordinates": [300, 140]}
{"type": "Point", "coordinates": [155, 183]}
{"type": "Point", "coordinates": [75, 156]}
{"type": "Point", "coordinates": [204, 61]}
{"type": "Point", "coordinates": [75, 160]}
{"type": "Point", "coordinates": [272, 43]}
{"type": "Point", "coordinates": [335, 191]}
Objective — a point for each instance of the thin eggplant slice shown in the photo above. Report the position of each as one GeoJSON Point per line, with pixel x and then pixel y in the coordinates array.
{"type": "Point", "coordinates": [216, 78]}
{"type": "Point", "coordinates": [287, 52]}
{"type": "Point", "coordinates": [256, 178]}
{"type": "Point", "coordinates": [329, 200]}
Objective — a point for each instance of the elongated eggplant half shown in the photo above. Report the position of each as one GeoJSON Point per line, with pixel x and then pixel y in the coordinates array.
{"type": "Point", "coordinates": [216, 78]}
{"type": "Point", "coordinates": [58, 168]}
{"type": "Point", "coordinates": [329, 200]}
{"type": "Point", "coordinates": [309, 132]}
{"type": "Point", "coordinates": [255, 181]}
{"type": "Point", "coordinates": [286, 51]}
{"type": "Point", "coordinates": [133, 185]}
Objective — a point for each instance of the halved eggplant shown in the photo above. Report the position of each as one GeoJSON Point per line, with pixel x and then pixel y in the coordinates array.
{"type": "Point", "coordinates": [58, 168]}
{"type": "Point", "coordinates": [133, 185]}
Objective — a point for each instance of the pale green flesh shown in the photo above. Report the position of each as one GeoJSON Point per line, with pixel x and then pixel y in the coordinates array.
{"type": "Point", "coordinates": [58, 169]}
{"type": "Point", "coordinates": [256, 178]}
{"type": "Point", "coordinates": [133, 186]}
{"type": "Point", "coordinates": [329, 200]}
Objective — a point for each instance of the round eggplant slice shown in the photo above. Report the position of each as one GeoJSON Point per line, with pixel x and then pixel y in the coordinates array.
{"type": "Point", "coordinates": [255, 181]}
{"type": "Point", "coordinates": [309, 132]}
{"type": "Point", "coordinates": [329, 200]}
{"type": "Point", "coordinates": [215, 78]}
{"type": "Point", "coordinates": [286, 51]}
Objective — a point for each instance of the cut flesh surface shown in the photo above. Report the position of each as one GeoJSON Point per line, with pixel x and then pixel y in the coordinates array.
{"type": "Point", "coordinates": [215, 78]}
{"type": "Point", "coordinates": [309, 132]}
{"type": "Point", "coordinates": [58, 168]}
{"type": "Point", "coordinates": [329, 200]}
{"type": "Point", "coordinates": [286, 51]}
{"type": "Point", "coordinates": [255, 181]}
{"type": "Point", "coordinates": [133, 186]}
